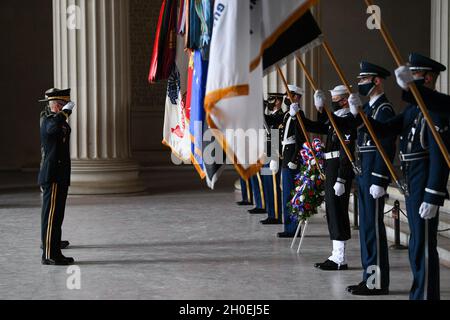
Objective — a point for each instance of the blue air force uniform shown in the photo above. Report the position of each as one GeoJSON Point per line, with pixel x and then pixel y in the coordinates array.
{"type": "Point", "coordinates": [426, 174]}
{"type": "Point", "coordinates": [54, 178]}
{"type": "Point", "coordinates": [373, 241]}
{"type": "Point", "coordinates": [372, 231]}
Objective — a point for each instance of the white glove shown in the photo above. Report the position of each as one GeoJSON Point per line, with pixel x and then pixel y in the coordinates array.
{"type": "Point", "coordinates": [69, 106]}
{"type": "Point", "coordinates": [355, 103]}
{"type": "Point", "coordinates": [428, 211]}
{"type": "Point", "coordinates": [292, 166]}
{"type": "Point", "coordinates": [294, 109]}
{"type": "Point", "coordinates": [404, 77]}
{"type": "Point", "coordinates": [273, 166]}
{"type": "Point", "coordinates": [339, 189]}
{"type": "Point", "coordinates": [377, 191]}
{"type": "Point", "coordinates": [319, 100]}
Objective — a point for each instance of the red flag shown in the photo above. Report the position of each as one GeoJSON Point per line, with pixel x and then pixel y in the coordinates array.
{"type": "Point", "coordinates": [154, 61]}
{"type": "Point", "coordinates": [164, 49]}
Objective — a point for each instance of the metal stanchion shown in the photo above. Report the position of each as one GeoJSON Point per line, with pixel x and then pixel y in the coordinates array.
{"type": "Point", "coordinates": [396, 211]}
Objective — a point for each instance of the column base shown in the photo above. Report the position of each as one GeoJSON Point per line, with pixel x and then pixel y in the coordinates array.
{"type": "Point", "coordinates": [97, 177]}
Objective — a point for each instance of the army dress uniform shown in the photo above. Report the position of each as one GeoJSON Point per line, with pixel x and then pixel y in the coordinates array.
{"type": "Point", "coordinates": [42, 116]}
{"type": "Point", "coordinates": [271, 182]}
{"type": "Point", "coordinates": [54, 178]}
{"type": "Point", "coordinates": [291, 144]}
{"type": "Point", "coordinates": [426, 174]}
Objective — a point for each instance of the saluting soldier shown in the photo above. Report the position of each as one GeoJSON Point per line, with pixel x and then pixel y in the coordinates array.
{"type": "Point", "coordinates": [425, 171]}
{"type": "Point", "coordinates": [44, 113]}
{"type": "Point", "coordinates": [274, 116]}
{"type": "Point", "coordinates": [339, 173]}
{"type": "Point", "coordinates": [372, 183]}
{"type": "Point", "coordinates": [54, 175]}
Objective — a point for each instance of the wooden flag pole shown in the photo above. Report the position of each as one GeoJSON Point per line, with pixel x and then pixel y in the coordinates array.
{"type": "Point", "coordinates": [300, 121]}
{"type": "Point", "coordinates": [330, 116]}
{"type": "Point", "coordinates": [365, 119]}
{"type": "Point", "coordinates": [397, 57]}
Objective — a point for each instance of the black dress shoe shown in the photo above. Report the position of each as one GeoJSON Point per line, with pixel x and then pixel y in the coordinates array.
{"type": "Point", "coordinates": [331, 266]}
{"type": "Point", "coordinates": [64, 244]}
{"type": "Point", "coordinates": [271, 221]}
{"type": "Point", "coordinates": [68, 259]}
{"type": "Point", "coordinates": [285, 235]}
{"type": "Point", "coordinates": [364, 291]}
{"type": "Point", "coordinates": [356, 286]}
{"type": "Point", "coordinates": [257, 211]}
{"type": "Point", "coordinates": [244, 203]}
{"type": "Point", "coordinates": [56, 262]}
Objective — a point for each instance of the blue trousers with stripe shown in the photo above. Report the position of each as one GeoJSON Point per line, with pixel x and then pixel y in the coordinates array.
{"type": "Point", "coordinates": [53, 207]}
{"type": "Point", "coordinates": [258, 191]}
{"type": "Point", "coordinates": [246, 190]}
{"type": "Point", "coordinates": [272, 193]}
{"type": "Point", "coordinates": [423, 254]}
{"type": "Point", "coordinates": [372, 234]}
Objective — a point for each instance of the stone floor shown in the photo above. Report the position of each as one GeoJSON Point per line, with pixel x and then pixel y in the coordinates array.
{"type": "Point", "coordinates": [178, 240]}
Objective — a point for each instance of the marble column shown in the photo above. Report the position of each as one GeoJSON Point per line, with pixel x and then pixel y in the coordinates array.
{"type": "Point", "coordinates": [91, 56]}
{"type": "Point", "coordinates": [440, 42]}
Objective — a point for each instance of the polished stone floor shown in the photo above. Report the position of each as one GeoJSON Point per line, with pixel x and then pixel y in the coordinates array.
{"type": "Point", "coordinates": [178, 240]}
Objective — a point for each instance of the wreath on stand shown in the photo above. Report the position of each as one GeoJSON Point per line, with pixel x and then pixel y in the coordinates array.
{"type": "Point", "coordinates": [309, 191]}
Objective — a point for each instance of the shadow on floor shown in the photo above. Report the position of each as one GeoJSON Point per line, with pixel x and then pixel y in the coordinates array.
{"type": "Point", "coordinates": [261, 260]}
{"type": "Point", "coordinates": [183, 243]}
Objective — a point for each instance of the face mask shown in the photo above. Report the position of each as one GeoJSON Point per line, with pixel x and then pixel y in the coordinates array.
{"type": "Point", "coordinates": [366, 89]}
{"type": "Point", "coordinates": [419, 81]}
{"type": "Point", "coordinates": [287, 102]}
{"type": "Point", "coordinates": [336, 105]}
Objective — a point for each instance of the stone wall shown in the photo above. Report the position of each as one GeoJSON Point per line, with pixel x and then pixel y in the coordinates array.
{"type": "Point", "coordinates": [147, 110]}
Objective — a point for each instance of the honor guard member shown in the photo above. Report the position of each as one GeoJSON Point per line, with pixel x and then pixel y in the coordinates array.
{"type": "Point", "coordinates": [435, 101]}
{"type": "Point", "coordinates": [54, 175]}
{"type": "Point", "coordinates": [43, 115]}
{"type": "Point", "coordinates": [274, 116]}
{"type": "Point", "coordinates": [425, 171]}
{"type": "Point", "coordinates": [339, 173]}
{"type": "Point", "coordinates": [372, 183]}
{"type": "Point", "coordinates": [292, 141]}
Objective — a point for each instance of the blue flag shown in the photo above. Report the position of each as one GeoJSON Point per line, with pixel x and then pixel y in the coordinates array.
{"type": "Point", "coordinates": [197, 124]}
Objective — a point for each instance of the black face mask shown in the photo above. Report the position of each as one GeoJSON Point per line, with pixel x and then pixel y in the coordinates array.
{"type": "Point", "coordinates": [420, 81]}
{"type": "Point", "coordinates": [366, 89]}
{"type": "Point", "coordinates": [287, 102]}
{"type": "Point", "coordinates": [336, 105]}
